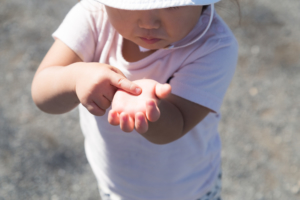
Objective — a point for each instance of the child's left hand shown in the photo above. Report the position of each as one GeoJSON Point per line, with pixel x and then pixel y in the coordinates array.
{"type": "Point", "coordinates": [131, 111]}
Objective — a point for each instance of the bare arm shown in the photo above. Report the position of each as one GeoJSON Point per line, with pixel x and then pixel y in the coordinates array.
{"type": "Point", "coordinates": [178, 116]}
{"type": "Point", "coordinates": [51, 89]}
{"type": "Point", "coordinates": [62, 81]}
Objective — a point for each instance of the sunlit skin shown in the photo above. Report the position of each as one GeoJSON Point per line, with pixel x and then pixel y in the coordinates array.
{"type": "Point", "coordinates": [154, 29]}
{"type": "Point", "coordinates": [151, 29]}
{"type": "Point", "coordinates": [131, 111]}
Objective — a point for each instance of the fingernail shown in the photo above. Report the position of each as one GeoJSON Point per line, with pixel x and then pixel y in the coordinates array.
{"type": "Point", "coordinates": [138, 90]}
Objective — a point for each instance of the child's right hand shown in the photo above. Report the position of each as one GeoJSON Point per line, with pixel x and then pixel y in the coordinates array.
{"type": "Point", "coordinates": [63, 80]}
{"type": "Point", "coordinates": [96, 84]}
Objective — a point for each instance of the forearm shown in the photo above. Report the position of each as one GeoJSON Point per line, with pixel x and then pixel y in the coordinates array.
{"type": "Point", "coordinates": [53, 89]}
{"type": "Point", "coordinates": [169, 127]}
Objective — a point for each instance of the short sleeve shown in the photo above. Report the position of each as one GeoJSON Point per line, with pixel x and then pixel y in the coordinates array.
{"type": "Point", "coordinates": [206, 80]}
{"type": "Point", "coordinates": [78, 30]}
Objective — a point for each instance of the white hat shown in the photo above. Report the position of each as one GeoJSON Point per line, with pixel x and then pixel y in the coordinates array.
{"type": "Point", "coordinates": [153, 4]}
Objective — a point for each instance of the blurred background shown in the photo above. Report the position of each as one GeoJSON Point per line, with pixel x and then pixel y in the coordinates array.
{"type": "Point", "coordinates": [42, 156]}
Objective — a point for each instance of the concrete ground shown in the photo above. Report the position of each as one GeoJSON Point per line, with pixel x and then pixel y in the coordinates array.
{"type": "Point", "coordinates": [42, 156]}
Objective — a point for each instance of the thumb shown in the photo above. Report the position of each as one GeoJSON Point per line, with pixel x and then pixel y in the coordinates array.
{"type": "Point", "coordinates": [121, 82]}
{"type": "Point", "coordinates": [162, 90]}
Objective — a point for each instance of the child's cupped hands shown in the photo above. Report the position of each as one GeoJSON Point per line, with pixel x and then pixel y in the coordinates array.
{"type": "Point", "coordinates": [134, 111]}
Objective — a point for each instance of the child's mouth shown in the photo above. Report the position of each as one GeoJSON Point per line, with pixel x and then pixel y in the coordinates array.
{"type": "Point", "coordinates": [150, 40]}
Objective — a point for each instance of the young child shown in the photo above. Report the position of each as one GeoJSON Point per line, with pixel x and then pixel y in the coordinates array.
{"type": "Point", "coordinates": [149, 78]}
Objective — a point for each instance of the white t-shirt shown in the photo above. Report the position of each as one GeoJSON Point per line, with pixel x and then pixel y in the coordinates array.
{"type": "Point", "coordinates": [126, 165]}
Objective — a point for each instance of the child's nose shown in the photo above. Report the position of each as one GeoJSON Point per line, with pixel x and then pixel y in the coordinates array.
{"type": "Point", "coordinates": [149, 19]}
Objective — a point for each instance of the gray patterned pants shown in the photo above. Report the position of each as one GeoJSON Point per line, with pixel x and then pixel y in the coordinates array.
{"type": "Point", "coordinates": [214, 194]}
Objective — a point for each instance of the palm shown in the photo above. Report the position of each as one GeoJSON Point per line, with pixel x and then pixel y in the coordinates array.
{"type": "Point", "coordinates": [131, 111]}
{"type": "Point", "coordinates": [125, 102]}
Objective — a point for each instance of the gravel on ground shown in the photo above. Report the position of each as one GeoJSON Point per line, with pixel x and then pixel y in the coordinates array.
{"type": "Point", "coordinates": [42, 156]}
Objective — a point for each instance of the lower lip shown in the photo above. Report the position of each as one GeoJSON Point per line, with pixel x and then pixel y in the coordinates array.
{"type": "Point", "coordinates": [150, 41]}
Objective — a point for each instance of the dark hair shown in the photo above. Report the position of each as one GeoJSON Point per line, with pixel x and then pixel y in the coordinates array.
{"type": "Point", "coordinates": [233, 1]}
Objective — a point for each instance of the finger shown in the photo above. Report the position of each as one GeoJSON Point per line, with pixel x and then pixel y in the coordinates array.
{"type": "Point", "coordinates": [109, 93]}
{"type": "Point", "coordinates": [113, 118]}
{"type": "Point", "coordinates": [162, 90]}
{"type": "Point", "coordinates": [141, 123]}
{"type": "Point", "coordinates": [102, 102]}
{"type": "Point", "coordinates": [94, 109]}
{"type": "Point", "coordinates": [152, 111]}
{"type": "Point", "coordinates": [126, 122]}
{"type": "Point", "coordinates": [123, 83]}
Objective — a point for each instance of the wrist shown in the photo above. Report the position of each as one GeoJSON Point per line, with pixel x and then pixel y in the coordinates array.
{"type": "Point", "coordinates": [73, 73]}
